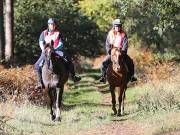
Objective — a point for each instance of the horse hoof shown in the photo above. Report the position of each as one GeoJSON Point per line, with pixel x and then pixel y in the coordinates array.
{"type": "Point", "coordinates": [57, 119]}
{"type": "Point", "coordinates": [53, 117]}
{"type": "Point", "coordinates": [115, 112]}
{"type": "Point", "coordinates": [118, 115]}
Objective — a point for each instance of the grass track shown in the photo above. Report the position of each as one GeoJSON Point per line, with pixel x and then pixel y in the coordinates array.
{"type": "Point", "coordinates": [84, 109]}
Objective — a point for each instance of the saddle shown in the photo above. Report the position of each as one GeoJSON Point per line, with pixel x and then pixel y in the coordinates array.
{"type": "Point", "coordinates": [61, 57]}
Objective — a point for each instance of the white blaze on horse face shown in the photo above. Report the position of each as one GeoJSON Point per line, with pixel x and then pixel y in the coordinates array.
{"type": "Point", "coordinates": [48, 51]}
{"type": "Point", "coordinates": [117, 54]}
{"type": "Point", "coordinates": [117, 59]}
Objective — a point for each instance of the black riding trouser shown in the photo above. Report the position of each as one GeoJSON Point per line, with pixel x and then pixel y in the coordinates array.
{"type": "Point", "coordinates": [105, 64]}
{"type": "Point", "coordinates": [130, 65]}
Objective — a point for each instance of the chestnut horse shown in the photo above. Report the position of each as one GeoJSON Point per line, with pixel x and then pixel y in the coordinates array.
{"type": "Point", "coordinates": [54, 75]}
{"type": "Point", "coordinates": [117, 76]}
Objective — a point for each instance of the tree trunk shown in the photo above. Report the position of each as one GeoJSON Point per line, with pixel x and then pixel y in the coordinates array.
{"type": "Point", "coordinates": [1, 31]}
{"type": "Point", "coordinates": [9, 30]}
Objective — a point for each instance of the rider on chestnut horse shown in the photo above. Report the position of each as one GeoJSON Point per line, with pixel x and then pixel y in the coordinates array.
{"type": "Point", "coordinates": [118, 38]}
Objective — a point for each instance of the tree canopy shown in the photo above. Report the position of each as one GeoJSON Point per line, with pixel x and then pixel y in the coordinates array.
{"type": "Point", "coordinates": [85, 24]}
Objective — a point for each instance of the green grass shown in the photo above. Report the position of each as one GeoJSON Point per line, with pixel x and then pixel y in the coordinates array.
{"type": "Point", "coordinates": [83, 109]}
{"type": "Point", "coordinates": [31, 119]}
{"type": "Point", "coordinates": [159, 107]}
{"type": "Point", "coordinates": [159, 122]}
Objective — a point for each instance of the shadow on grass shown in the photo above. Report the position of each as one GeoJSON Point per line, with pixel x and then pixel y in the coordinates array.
{"type": "Point", "coordinates": [68, 107]}
{"type": "Point", "coordinates": [104, 91]}
{"type": "Point", "coordinates": [91, 70]}
{"type": "Point", "coordinates": [93, 73]}
{"type": "Point", "coordinates": [119, 119]}
{"type": "Point", "coordinates": [83, 82]}
{"type": "Point", "coordinates": [39, 122]}
{"type": "Point", "coordinates": [96, 77]}
{"type": "Point", "coordinates": [83, 85]}
{"type": "Point", "coordinates": [78, 92]}
{"type": "Point", "coordinates": [125, 116]}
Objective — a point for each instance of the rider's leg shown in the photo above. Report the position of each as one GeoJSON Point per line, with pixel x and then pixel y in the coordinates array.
{"type": "Point", "coordinates": [69, 65]}
{"type": "Point", "coordinates": [104, 67]}
{"type": "Point", "coordinates": [38, 70]}
{"type": "Point", "coordinates": [130, 65]}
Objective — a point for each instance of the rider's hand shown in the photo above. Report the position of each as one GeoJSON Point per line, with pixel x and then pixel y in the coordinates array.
{"type": "Point", "coordinates": [43, 51]}
{"type": "Point", "coordinates": [122, 52]}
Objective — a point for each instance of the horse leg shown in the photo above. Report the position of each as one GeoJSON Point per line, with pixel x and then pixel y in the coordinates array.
{"type": "Point", "coordinates": [50, 93]}
{"type": "Point", "coordinates": [122, 105]}
{"type": "Point", "coordinates": [121, 101]}
{"type": "Point", "coordinates": [59, 92]}
{"type": "Point", "coordinates": [57, 105]}
{"type": "Point", "coordinates": [113, 99]}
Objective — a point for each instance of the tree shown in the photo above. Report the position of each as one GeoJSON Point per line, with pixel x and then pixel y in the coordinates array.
{"type": "Point", "coordinates": [154, 22]}
{"type": "Point", "coordinates": [30, 18]}
{"type": "Point", "coordinates": [9, 30]}
{"type": "Point", "coordinates": [1, 31]}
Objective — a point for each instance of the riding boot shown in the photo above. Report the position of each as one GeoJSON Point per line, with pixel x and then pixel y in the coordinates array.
{"type": "Point", "coordinates": [40, 84]}
{"type": "Point", "coordinates": [70, 67]}
{"type": "Point", "coordinates": [103, 75]}
{"type": "Point", "coordinates": [105, 64]}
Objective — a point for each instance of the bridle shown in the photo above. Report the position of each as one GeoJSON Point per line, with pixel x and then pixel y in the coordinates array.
{"type": "Point", "coordinates": [48, 55]}
{"type": "Point", "coordinates": [116, 58]}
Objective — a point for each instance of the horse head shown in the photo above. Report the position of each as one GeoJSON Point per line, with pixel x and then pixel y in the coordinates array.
{"type": "Point", "coordinates": [49, 55]}
{"type": "Point", "coordinates": [116, 58]}
{"type": "Point", "coordinates": [48, 49]}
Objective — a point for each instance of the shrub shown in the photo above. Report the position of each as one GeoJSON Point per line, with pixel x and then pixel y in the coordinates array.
{"type": "Point", "coordinates": [160, 96]}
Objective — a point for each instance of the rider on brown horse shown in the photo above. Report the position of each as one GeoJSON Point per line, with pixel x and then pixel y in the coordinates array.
{"type": "Point", "coordinates": [48, 35]}
{"type": "Point", "coordinates": [118, 38]}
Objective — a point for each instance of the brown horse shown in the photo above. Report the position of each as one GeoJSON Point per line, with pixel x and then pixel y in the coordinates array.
{"type": "Point", "coordinates": [117, 76]}
{"type": "Point", "coordinates": [54, 75]}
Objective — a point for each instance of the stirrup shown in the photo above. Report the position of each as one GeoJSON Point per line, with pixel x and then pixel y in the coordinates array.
{"type": "Point", "coordinates": [102, 79]}
{"type": "Point", "coordinates": [133, 79]}
{"type": "Point", "coordinates": [76, 78]}
{"type": "Point", "coordinates": [39, 86]}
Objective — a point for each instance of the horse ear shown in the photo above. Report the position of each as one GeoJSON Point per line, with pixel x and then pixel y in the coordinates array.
{"type": "Point", "coordinates": [46, 45]}
{"type": "Point", "coordinates": [111, 46]}
{"type": "Point", "coordinates": [52, 43]}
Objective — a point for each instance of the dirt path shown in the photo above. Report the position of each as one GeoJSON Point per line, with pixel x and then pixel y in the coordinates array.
{"type": "Point", "coordinates": [116, 127]}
